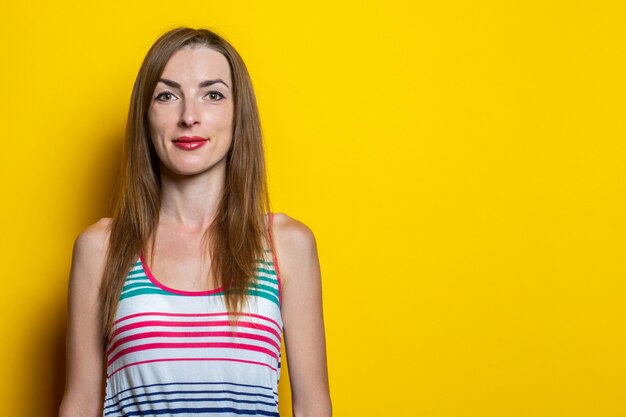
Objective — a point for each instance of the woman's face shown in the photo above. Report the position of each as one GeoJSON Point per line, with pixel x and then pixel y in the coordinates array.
{"type": "Point", "coordinates": [191, 112]}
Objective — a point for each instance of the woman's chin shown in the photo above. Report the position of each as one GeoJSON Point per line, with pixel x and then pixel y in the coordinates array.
{"type": "Point", "coordinates": [183, 172]}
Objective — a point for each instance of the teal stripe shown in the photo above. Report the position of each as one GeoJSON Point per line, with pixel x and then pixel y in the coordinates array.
{"type": "Point", "coordinates": [147, 283]}
{"type": "Point", "coordinates": [266, 271]}
{"type": "Point", "coordinates": [270, 280]}
{"type": "Point", "coordinates": [144, 278]}
{"type": "Point", "coordinates": [138, 285]}
{"type": "Point", "coordinates": [264, 295]}
{"type": "Point", "coordinates": [138, 278]}
{"type": "Point", "coordinates": [264, 288]}
{"type": "Point", "coordinates": [268, 295]}
{"type": "Point", "coordinates": [158, 291]}
{"type": "Point", "coordinates": [144, 291]}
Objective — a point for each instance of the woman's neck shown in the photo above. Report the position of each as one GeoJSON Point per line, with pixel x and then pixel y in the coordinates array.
{"type": "Point", "coordinates": [191, 201]}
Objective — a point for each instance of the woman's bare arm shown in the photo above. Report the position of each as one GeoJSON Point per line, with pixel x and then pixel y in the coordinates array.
{"type": "Point", "coordinates": [83, 389]}
{"type": "Point", "coordinates": [299, 268]}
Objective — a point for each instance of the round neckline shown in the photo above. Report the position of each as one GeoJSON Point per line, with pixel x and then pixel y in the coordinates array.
{"type": "Point", "coordinates": [164, 287]}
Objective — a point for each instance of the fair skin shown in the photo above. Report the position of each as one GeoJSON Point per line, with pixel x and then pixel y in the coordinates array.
{"type": "Point", "coordinates": [194, 100]}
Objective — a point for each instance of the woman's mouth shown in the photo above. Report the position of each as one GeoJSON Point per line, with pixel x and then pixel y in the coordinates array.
{"type": "Point", "coordinates": [189, 143]}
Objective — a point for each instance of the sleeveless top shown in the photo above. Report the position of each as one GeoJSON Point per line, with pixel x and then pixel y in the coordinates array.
{"type": "Point", "coordinates": [175, 353]}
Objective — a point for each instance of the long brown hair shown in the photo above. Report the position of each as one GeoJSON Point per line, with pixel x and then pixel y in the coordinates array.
{"type": "Point", "coordinates": [236, 237]}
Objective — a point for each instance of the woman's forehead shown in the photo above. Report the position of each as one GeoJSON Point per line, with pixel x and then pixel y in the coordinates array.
{"type": "Point", "coordinates": [197, 63]}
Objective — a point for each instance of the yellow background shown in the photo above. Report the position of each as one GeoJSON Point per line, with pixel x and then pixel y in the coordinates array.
{"type": "Point", "coordinates": [462, 164]}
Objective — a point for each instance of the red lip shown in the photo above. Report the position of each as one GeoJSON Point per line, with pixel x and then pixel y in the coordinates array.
{"type": "Point", "coordinates": [189, 143]}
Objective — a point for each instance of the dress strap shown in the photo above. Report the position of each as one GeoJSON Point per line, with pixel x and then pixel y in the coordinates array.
{"type": "Point", "coordinates": [270, 234]}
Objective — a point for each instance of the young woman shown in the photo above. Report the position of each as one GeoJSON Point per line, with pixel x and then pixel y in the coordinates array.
{"type": "Point", "coordinates": [178, 303]}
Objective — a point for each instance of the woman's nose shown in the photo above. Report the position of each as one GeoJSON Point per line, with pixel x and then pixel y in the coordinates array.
{"type": "Point", "coordinates": [189, 115]}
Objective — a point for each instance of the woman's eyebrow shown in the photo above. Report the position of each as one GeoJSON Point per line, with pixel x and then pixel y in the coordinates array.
{"type": "Point", "coordinates": [211, 82]}
{"type": "Point", "coordinates": [203, 84]}
{"type": "Point", "coordinates": [170, 83]}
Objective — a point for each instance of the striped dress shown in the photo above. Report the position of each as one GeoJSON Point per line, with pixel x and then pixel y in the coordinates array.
{"type": "Point", "coordinates": [174, 353]}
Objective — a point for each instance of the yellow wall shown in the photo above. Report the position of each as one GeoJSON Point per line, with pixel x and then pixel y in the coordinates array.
{"type": "Point", "coordinates": [463, 165]}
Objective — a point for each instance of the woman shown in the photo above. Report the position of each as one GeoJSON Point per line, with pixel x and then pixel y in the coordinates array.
{"type": "Point", "coordinates": [185, 292]}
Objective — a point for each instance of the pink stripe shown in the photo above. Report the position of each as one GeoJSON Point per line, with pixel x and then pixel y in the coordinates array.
{"type": "Point", "coordinates": [156, 282]}
{"type": "Point", "coordinates": [147, 335]}
{"type": "Point", "coordinates": [191, 359]}
{"type": "Point", "coordinates": [222, 323]}
{"type": "Point", "coordinates": [197, 315]}
{"type": "Point", "coordinates": [275, 259]}
{"type": "Point", "coordinates": [210, 345]}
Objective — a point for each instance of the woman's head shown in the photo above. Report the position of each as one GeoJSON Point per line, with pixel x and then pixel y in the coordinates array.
{"type": "Point", "coordinates": [245, 158]}
{"type": "Point", "coordinates": [191, 113]}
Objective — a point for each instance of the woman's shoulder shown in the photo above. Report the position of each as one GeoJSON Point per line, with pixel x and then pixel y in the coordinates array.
{"type": "Point", "coordinates": [94, 238]}
{"type": "Point", "coordinates": [292, 234]}
{"type": "Point", "coordinates": [90, 250]}
{"type": "Point", "coordinates": [295, 248]}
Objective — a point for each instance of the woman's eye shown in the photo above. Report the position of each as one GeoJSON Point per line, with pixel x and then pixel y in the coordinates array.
{"type": "Point", "coordinates": [215, 96]}
{"type": "Point", "coordinates": [165, 96]}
